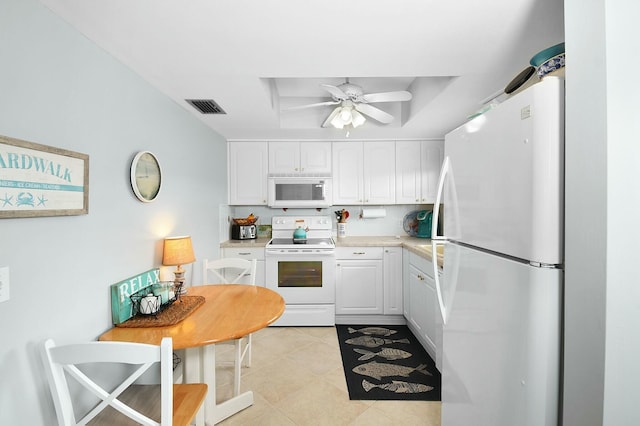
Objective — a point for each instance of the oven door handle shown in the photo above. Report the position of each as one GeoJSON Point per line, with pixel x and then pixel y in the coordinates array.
{"type": "Point", "coordinates": [276, 253]}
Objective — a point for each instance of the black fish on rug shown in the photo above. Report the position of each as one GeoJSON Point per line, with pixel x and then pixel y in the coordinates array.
{"type": "Point", "coordinates": [378, 331]}
{"type": "Point", "coordinates": [389, 354]}
{"type": "Point", "coordinates": [373, 342]}
{"type": "Point", "coordinates": [397, 386]}
{"type": "Point", "coordinates": [378, 370]}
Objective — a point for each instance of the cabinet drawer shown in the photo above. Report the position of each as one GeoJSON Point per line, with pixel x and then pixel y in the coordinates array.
{"type": "Point", "coordinates": [358, 253]}
{"type": "Point", "coordinates": [421, 263]}
{"type": "Point", "coordinates": [244, 253]}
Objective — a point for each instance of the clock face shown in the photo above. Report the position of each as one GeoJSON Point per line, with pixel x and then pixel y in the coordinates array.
{"type": "Point", "coordinates": [145, 176]}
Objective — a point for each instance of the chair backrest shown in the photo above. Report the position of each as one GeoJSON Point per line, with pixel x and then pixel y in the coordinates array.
{"type": "Point", "coordinates": [61, 359]}
{"type": "Point", "coordinates": [235, 269]}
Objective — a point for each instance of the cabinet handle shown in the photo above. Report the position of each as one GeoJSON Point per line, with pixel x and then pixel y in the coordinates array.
{"type": "Point", "coordinates": [359, 252]}
{"type": "Point", "coordinates": [244, 254]}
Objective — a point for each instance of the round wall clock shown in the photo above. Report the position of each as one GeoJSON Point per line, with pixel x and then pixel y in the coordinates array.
{"type": "Point", "coordinates": [146, 176]}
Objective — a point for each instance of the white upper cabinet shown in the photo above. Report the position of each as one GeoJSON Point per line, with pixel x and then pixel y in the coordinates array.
{"type": "Point", "coordinates": [417, 170]}
{"type": "Point", "coordinates": [347, 173]}
{"type": "Point", "coordinates": [300, 158]}
{"type": "Point", "coordinates": [248, 162]}
{"type": "Point", "coordinates": [364, 172]}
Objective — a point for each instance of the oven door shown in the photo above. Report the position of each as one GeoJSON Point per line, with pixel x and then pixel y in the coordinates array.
{"type": "Point", "coordinates": [302, 277]}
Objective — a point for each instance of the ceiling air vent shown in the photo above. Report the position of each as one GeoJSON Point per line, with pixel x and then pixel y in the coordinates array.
{"type": "Point", "coordinates": [206, 106]}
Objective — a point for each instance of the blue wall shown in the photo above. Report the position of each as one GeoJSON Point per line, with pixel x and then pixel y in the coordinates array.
{"type": "Point", "coordinates": [57, 88]}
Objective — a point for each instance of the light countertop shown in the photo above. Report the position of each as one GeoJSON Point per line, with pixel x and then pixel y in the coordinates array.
{"type": "Point", "coordinates": [419, 246]}
{"type": "Point", "coordinates": [257, 243]}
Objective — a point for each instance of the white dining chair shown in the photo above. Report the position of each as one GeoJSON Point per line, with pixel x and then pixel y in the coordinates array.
{"type": "Point", "coordinates": [178, 404]}
{"type": "Point", "coordinates": [234, 271]}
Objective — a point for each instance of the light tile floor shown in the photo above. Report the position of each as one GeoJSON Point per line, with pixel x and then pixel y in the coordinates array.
{"type": "Point", "coordinates": [297, 379]}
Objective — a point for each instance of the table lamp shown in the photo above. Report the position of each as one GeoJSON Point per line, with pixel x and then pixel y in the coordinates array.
{"type": "Point", "coordinates": [178, 251]}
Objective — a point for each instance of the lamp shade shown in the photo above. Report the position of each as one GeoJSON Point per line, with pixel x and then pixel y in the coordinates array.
{"type": "Point", "coordinates": [177, 251]}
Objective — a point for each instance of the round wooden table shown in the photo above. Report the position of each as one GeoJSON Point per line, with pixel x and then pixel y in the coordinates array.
{"type": "Point", "coordinates": [230, 311]}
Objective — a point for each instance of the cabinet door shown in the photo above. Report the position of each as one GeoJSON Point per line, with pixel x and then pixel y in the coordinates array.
{"type": "Point", "coordinates": [408, 172]}
{"type": "Point", "coordinates": [284, 157]}
{"type": "Point", "coordinates": [406, 294]}
{"type": "Point", "coordinates": [249, 253]}
{"type": "Point", "coordinates": [418, 299]}
{"type": "Point", "coordinates": [432, 157]}
{"type": "Point", "coordinates": [422, 306]}
{"type": "Point", "coordinates": [430, 310]}
{"type": "Point", "coordinates": [379, 172]}
{"type": "Point", "coordinates": [359, 288]}
{"type": "Point", "coordinates": [347, 173]}
{"type": "Point", "coordinates": [248, 162]}
{"type": "Point", "coordinates": [392, 267]}
{"type": "Point", "coordinates": [315, 158]}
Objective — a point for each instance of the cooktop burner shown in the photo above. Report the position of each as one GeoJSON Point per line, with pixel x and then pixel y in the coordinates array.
{"type": "Point", "coordinates": [315, 242]}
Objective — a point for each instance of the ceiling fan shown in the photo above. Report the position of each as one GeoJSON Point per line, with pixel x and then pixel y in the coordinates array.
{"type": "Point", "coordinates": [353, 102]}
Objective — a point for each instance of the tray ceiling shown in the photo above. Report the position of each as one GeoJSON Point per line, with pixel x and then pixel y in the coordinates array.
{"type": "Point", "coordinates": [255, 58]}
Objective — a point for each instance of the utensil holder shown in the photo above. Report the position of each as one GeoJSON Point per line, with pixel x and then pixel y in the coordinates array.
{"type": "Point", "coordinates": [342, 229]}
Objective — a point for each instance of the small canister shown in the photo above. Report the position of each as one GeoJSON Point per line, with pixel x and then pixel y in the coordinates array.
{"type": "Point", "coordinates": [342, 229]}
{"type": "Point", "coordinates": [150, 304]}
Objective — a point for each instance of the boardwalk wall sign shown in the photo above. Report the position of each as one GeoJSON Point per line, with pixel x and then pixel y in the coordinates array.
{"type": "Point", "coordinates": [39, 180]}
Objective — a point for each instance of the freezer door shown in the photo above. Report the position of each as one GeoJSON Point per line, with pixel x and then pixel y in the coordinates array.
{"type": "Point", "coordinates": [501, 341]}
{"type": "Point", "coordinates": [508, 167]}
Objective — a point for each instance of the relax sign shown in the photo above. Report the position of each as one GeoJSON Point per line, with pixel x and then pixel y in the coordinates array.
{"type": "Point", "coordinates": [121, 304]}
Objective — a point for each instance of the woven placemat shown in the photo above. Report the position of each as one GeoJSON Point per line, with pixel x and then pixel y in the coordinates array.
{"type": "Point", "coordinates": [175, 313]}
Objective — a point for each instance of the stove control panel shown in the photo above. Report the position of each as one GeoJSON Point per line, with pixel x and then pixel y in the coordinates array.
{"type": "Point", "coordinates": [292, 222]}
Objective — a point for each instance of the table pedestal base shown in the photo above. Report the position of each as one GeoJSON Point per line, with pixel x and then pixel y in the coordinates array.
{"type": "Point", "coordinates": [231, 406]}
{"type": "Point", "coordinates": [200, 367]}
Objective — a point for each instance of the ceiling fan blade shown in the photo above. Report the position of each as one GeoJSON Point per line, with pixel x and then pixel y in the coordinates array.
{"type": "Point", "coordinates": [375, 113]}
{"type": "Point", "coordinates": [335, 91]}
{"type": "Point", "coordinates": [399, 96]}
{"type": "Point", "coordinates": [327, 122]}
{"type": "Point", "coordinates": [311, 105]}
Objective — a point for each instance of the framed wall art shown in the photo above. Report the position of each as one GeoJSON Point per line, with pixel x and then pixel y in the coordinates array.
{"type": "Point", "coordinates": [40, 180]}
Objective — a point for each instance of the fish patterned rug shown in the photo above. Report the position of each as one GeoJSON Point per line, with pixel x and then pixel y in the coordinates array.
{"type": "Point", "coordinates": [387, 363]}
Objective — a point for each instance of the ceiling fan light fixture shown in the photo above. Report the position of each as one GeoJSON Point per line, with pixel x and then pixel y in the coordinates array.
{"type": "Point", "coordinates": [337, 122]}
{"type": "Point", "coordinates": [346, 115]}
{"type": "Point", "coordinates": [357, 119]}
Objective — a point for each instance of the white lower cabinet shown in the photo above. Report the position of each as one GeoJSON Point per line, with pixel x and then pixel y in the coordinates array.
{"type": "Point", "coordinates": [249, 253]}
{"type": "Point", "coordinates": [392, 269]}
{"type": "Point", "coordinates": [369, 285]}
{"type": "Point", "coordinates": [423, 303]}
{"type": "Point", "coordinates": [359, 284]}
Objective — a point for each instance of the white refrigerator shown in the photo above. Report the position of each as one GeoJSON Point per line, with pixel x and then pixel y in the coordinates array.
{"type": "Point", "coordinates": [500, 292]}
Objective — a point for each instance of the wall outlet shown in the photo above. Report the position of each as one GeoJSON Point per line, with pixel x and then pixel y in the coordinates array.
{"type": "Point", "coordinates": [4, 284]}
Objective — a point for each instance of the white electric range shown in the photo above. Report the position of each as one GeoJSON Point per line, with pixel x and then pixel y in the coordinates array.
{"type": "Point", "coordinates": [303, 271]}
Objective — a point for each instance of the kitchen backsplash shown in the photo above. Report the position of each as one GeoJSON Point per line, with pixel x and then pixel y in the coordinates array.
{"type": "Point", "coordinates": [390, 225]}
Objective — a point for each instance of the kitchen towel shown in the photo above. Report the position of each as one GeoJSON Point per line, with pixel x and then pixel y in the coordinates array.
{"type": "Point", "coordinates": [369, 213]}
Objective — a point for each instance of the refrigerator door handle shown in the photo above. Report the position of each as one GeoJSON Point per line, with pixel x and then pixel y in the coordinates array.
{"type": "Point", "coordinates": [436, 278]}
{"type": "Point", "coordinates": [436, 207]}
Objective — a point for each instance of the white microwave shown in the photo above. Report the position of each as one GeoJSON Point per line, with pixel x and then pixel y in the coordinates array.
{"type": "Point", "coordinates": [300, 192]}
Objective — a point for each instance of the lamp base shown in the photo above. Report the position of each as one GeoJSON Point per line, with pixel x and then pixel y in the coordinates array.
{"type": "Point", "coordinates": [178, 283]}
